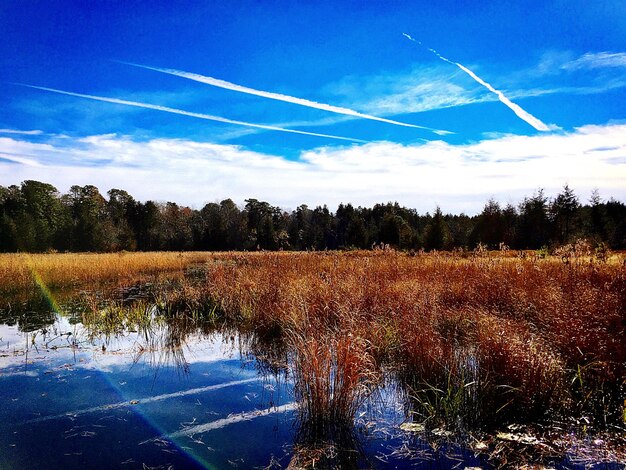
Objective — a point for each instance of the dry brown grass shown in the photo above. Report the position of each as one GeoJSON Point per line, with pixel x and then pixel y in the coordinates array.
{"type": "Point", "coordinates": [474, 340]}
{"type": "Point", "coordinates": [19, 271]}
{"type": "Point", "coordinates": [488, 339]}
{"type": "Point", "coordinates": [333, 376]}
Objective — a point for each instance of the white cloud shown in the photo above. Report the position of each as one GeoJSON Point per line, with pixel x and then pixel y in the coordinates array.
{"type": "Point", "coordinates": [17, 158]}
{"type": "Point", "coordinates": [457, 177]}
{"type": "Point", "coordinates": [517, 109]}
{"type": "Point", "coordinates": [427, 88]}
{"type": "Point", "coordinates": [596, 60]}
{"type": "Point", "coordinates": [425, 96]}
{"type": "Point", "coordinates": [418, 90]}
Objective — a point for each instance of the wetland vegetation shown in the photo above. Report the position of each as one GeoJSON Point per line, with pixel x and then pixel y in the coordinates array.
{"type": "Point", "coordinates": [513, 357]}
{"type": "Point", "coordinates": [498, 337]}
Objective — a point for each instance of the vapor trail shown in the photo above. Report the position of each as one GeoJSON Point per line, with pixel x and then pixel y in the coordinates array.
{"type": "Point", "coordinates": [410, 38]}
{"type": "Point", "coordinates": [14, 131]}
{"type": "Point", "coordinates": [280, 97]}
{"type": "Point", "coordinates": [187, 113]}
{"type": "Point", "coordinates": [524, 115]}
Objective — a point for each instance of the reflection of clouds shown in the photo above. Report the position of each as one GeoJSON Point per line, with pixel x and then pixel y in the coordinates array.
{"type": "Point", "coordinates": [131, 349]}
{"type": "Point", "coordinates": [26, 373]}
{"type": "Point", "coordinates": [85, 352]}
{"type": "Point", "coordinates": [237, 418]}
{"type": "Point", "coordinates": [23, 349]}
{"type": "Point", "coordinates": [143, 401]}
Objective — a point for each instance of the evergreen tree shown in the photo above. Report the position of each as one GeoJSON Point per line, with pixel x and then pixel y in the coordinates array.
{"type": "Point", "coordinates": [563, 211]}
{"type": "Point", "coordinates": [437, 233]}
{"type": "Point", "coordinates": [534, 226]}
{"type": "Point", "coordinates": [596, 220]}
{"type": "Point", "coordinates": [489, 228]}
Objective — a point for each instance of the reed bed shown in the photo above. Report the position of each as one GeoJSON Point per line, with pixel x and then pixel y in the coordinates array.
{"type": "Point", "coordinates": [475, 341]}
{"type": "Point", "coordinates": [333, 378]}
{"type": "Point", "coordinates": [61, 270]}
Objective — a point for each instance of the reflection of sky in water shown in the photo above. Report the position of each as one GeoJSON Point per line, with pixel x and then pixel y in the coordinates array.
{"type": "Point", "coordinates": [70, 403]}
{"type": "Point", "coordinates": [63, 341]}
{"type": "Point", "coordinates": [173, 394]}
{"type": "Point", "coordinates": [67, 403]}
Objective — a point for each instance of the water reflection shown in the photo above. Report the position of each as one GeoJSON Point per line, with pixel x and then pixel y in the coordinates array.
{"type": "Point", "coordinates": [28, 312]}
{"type": "Point", "coordinates": [126, 383]}
{"type": "Point", "coordinates": [164, 391]}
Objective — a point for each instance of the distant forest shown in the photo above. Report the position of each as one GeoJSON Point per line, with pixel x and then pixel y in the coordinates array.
{"type": "Point", "coordinates": [35, 217]}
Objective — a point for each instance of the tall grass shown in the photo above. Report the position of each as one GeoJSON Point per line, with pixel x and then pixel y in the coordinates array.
{"type": "Point", "coordinates": [488, 340]}
{"type": "Point", "coordinates": [333, 377]}
{"type": "Point", "coordinates": [22, 271]}
{"type": "Point", "coordinates": [476, 340]}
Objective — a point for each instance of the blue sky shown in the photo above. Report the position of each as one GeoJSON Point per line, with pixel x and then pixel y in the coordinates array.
{"type": "Point", "coordinates": [518, 96]}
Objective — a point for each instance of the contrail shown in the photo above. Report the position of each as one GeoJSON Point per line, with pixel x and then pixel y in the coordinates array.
{"type": "Point", "coordinates": [122, 404]}
{"type": "Point", "coordinates": [524, 115]}
{"type": "Point", "coordinates": [410, 38]}
{"type": "Point", "coordinates": [280, 97]}
{"type": "Point", "coordinates": [14, 131]}
{"type": "Point", "coordinates": [188, 113]}
{"type": "Point", "coordinates": [220, 423]}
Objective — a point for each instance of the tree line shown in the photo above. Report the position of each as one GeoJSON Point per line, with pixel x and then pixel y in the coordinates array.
{"type": "Point", "coordinates": [35, 217]}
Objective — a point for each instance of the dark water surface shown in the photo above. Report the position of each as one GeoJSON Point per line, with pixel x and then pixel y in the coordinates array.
{"type": "Point", "coordinates": [69, 403]}
{"type": "Point", "coordinates": [164, 398]}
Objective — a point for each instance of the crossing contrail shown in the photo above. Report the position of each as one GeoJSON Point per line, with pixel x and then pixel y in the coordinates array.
{"type": "Point", "coordinates": [187, 113]}
{"type": "Point", "coordinates": [521, 113]}
{"type": "Point", "coordinates": [280, 97]}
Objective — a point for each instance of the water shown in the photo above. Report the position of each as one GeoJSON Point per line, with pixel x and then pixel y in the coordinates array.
{"type": "Point", "coordinates": [169, 395]}
{"type": "Point", "coordinates": [68, 402]}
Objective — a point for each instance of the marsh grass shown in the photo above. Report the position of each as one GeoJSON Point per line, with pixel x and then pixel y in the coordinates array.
{"type": "Point", "coordinates": [476, 340]}
{"type": "Point", "coordinates": [334, 375]}
{"type": "Point", "coordinates": [482, 340]}
{"type": "Point", "coordinates": [61, 270]}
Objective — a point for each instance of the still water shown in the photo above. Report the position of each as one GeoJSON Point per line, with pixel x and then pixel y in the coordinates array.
{"type": "Point", "coordinates": [165, 397]}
